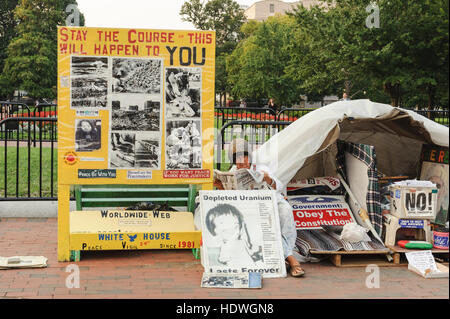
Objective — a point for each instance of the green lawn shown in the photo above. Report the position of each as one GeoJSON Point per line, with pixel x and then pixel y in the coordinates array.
{"type": "Point", "coordinates": [23, 172]}
{"type": "Point", "coordinates": [442, 120]}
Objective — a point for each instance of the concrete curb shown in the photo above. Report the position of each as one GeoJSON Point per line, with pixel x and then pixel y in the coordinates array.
{"type": "Point", "coordinates": [31, 209]}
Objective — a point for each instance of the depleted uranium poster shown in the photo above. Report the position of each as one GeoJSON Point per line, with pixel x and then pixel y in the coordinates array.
{"type": "Point", "coordinates": [241, 233]}
{"type": "Point", "coordinates": [135, 106]}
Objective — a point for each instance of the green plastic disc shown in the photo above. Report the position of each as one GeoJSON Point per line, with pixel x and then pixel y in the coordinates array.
{"type": "Point", "coordinates": [418, 245]}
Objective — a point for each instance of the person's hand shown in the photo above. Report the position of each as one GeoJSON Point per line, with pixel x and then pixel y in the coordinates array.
{"type": "Point", "coordinates": [218, 184]}
{"type": "Point", "coordinates": [269, 180]}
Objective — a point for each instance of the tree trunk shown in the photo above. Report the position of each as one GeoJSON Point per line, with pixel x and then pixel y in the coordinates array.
{"type": "Point", "coordinates": [394, 93]}
{"type": "Point", "coordinates": [431, 92]}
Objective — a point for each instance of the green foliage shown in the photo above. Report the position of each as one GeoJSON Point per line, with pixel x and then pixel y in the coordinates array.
{"type": "Point", "coordinates": [223, 16]}
{"type": "Point", "coordinates": [406, 57]}
{"type": "Point", "coordinates": [31, 63]}
{"type": "Point", "coordinates": [325, 50]}
{"type": "Point", "coordinates": [226, 18]}
{"type": "Point", "coordinates": [7, 26]}
{"type": "Point", "coordinates": [257, 68]}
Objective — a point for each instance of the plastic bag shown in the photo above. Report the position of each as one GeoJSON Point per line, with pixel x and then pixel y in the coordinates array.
{"type": "Point", "coordinates": [353, 233]}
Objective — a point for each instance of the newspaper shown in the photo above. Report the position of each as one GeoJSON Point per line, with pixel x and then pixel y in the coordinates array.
{"type": "Point", "coordinates": [423, 261]}
{"type": "Point", "coordinates": [241, 233]}
{"type": "Point", "coordinates": [243, 280]}
{"type": "Point", "coordinates": [23, 262]}
{"type": "Point", "coordinates": [241, 179]}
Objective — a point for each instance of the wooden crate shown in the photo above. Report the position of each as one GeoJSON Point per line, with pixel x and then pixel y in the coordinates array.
{"type": "Point", "coordinates": [399, 252]}
{"type": "Point", "coordinates": [357, 258]}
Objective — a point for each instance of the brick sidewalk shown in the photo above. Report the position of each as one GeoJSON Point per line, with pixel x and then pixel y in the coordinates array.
{"type": "Point", "coordinates": [176, 274]}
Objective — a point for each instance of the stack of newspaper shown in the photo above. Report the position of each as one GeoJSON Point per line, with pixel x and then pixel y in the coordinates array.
{"type": "Point", "coordinates": [23, 262]}
{"type": "Point", "coordinates": [242, 280]}
{"type": "Point", "coordinates": [241, 179]}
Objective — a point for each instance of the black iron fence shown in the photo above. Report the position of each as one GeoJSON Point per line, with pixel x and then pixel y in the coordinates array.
{"type": "Point", "coordinates": [223, 115]}
{"type": "Point", "coordinates": [29, 167]}
{"type": "Point", "coordinates": [20, 129]}
{"type": "Point", "coordinates": [255, 132]}
{"type": "Point", "coordinates": [290, 115]}
{"type": "Point", "coordinates": [438, 116]}
{"type": "Point", "coordinates": [28, 148]}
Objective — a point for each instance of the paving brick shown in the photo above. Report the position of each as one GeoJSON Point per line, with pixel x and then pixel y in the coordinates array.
{"type": "Point", "coordinates": [176, 274]}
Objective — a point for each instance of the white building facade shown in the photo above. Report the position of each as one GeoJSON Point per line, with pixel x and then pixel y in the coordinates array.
{"type": "Point", "coordinates": [261, 10]}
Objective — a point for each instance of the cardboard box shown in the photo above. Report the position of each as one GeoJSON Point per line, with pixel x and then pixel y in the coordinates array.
{"type": "Point", "coordinates": [413, 202]}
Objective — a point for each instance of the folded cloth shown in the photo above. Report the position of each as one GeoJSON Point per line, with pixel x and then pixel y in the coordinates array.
{"type": "Point", "coordinates": [23, 262]}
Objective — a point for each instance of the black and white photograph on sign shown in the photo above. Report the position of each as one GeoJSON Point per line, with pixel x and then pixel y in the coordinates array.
{"type": "Point", "coordinates": [234, 224]}
{"type": "Point", "coordinates": [439, 175]}
{"type": "Point", "coordinates": [183, 145]}
{"type": "Point", "coordinates": [183, 92]}
{"type": "Point", "coordinates": [135, 112]}
{"type": "Point", "coordinates": [89, 92]}
{"type": "Point", "coordinates": [245, 280]}
{"type": "Point", "coordinates": [136, 75]}
{"type": "Point", "coordinates": [89, 84]}
{"type": "Point", "coordinates": [147, 152]}
{"type": "Point", "coordinates": [122, 150]}
{"type": "Point", "coordinates": [89, 66]}
{"type": "Point", "coordinates": [88, 136]}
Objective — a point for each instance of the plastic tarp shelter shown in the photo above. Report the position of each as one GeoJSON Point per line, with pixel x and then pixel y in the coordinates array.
{"type": "Point", "coordinates": [305, 148]}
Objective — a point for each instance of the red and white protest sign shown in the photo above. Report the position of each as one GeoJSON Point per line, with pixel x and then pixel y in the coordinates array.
{"type": "Point", "coordinates": [315, 211]}
{"type": "Point", "coordinates": [204, 173]}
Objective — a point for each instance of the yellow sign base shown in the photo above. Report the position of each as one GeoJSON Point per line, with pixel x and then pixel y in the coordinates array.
{"type": "Point", "coordinates": [128, 230]}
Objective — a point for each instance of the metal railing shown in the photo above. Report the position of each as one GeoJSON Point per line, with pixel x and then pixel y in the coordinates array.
{"type": "Point", "coordinates": [28, 136]}
{"type": "Point", "coordinates": [223, 115]}
{"type": "Point", "coordinates": [29, 171]}
{"type": "Point", "coordinates": [255, 132]}
{"type": "Point", "coordinates": [291, 115]}
{"type": "Point", "coordinates": [438, 116]}
{"type": "Point", "coordinates": [20, 128]}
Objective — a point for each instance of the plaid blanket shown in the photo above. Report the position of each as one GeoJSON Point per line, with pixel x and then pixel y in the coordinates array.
{"type": "Point", "coordinates": [328, 240]}
{"type": "Point", "coordinates": [365, 153]}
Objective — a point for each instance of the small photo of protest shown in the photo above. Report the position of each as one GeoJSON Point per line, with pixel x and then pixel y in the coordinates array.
{"type": "Point", "coordinates": [89, 84]}
{"type": "Point", "coordinates": [89, 92]}
{"type": "Point", "coordinates": [147, 152]}
{"type": "Point", "coordinates": [89, 66]}
{"type": "Point", "coordinates": [88, 135]}
{"type": "Point", "coordinates": [183, 97]}
{"type": "Point", "coordinates": [183, 145]}
{"type": "Point", "coordinates": [122, 150]}
{"type": "Point", "coordinates": [136, 75]}
{"type": "Point", "coordinates": [135, 112]}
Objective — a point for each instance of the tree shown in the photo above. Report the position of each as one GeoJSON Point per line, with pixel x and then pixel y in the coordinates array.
{"type": "Point", "coordinates": [7, 26]}
{"type": "Point", "coordinates": [226, 18]}
{"type": "Point", "coordinates": [407, 56]}
{"type": "Point", "coordinates": [31, 64]}
{"type": "Point", "coordinates": [257, 68]}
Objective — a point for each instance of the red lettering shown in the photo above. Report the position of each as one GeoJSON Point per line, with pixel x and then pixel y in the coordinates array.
{"type": "Point", "coordinates": [441, 157]}
{"type": "Point", "coordinates": [63, 33]}
{"type": "Point", "coordinates": [130, 34]}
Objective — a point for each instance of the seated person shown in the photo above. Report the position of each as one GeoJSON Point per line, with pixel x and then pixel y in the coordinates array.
{"type": "Point", "coordinates": [240, 156]}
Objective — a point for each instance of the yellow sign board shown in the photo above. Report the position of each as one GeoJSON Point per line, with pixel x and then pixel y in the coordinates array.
{"type": "Point", "coordinates": [118, 229]}
{"type": "Point", "coordinates": [134, 107]}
